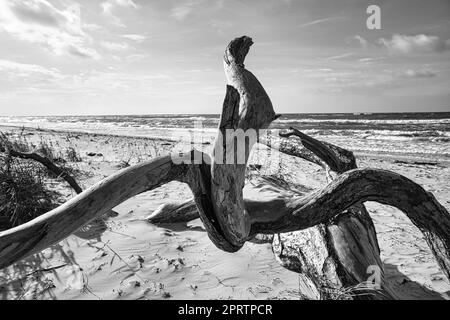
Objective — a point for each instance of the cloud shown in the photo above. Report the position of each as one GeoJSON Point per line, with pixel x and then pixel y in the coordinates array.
{"type": "Point", "coordinates": [402, 44]}
{"type": "Point", "coordinates": [83, 52]}
{"type": "Point", "coordinates": [108, 8]}
{"type": "Point", "coordinates": [221, 26]}
{"type": "Point", "coordinates": [23, 69]}
{"type": "Point", "coordinates": [180, 12]}
{"type": "Point", "coordinates": [115, 46]}
{"type": "Point", "coordinates": [126, 3]}
{"type": "Point", "coordinates": [135, 37]}
{"type": "Point", "coordinates": [23, 78]}
{"type": "Point", "coordinates": [359, 40]}
{"type": "Point", "coordinates": [136, 57]}
{"type": "Point", "coordinates": [370, 60]}
{"type": "Point", "coordinates": [37, 12]}
{"type": "Point", "coordinates": [109, 5]}
{"type": "Point", "coordinates": [421, 73]}
{"type": "Point", "coordinates": [20, 77]}
{"type": "Point", "coordinates": [92, 27]}
{"type": "Point", "coordinates": [106, 81]}
{"type": "Point", "coordinates": [341, 56]}
{"type": "Point", "coordinates": [40, 22]}
{"type": "Point", "coordinates": [308, 24]}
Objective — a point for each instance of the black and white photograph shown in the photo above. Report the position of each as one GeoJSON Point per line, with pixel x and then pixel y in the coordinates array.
{"type": "Point", "coordinates": [225, 157]}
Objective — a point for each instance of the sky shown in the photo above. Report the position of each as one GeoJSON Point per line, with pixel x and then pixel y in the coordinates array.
{"type": "Point", "coordinates": [73, 57]}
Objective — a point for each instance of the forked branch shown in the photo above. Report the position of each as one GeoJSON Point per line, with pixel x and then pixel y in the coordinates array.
{"type": "Point", "coordinates": [217, 187]}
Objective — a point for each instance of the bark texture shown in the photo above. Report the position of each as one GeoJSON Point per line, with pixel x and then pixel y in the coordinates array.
{"type": "Point", "coordinates": [339, 253]}
{"type": "Point", "coordinates": [246, 107]}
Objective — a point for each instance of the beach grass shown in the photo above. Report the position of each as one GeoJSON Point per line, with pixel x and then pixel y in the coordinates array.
{"type": "Point", "coordinates": [25, 192]}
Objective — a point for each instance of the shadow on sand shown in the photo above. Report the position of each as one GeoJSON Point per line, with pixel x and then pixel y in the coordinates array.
{"type": "Point", "coordinates": [407, 289]}
{"type": "Point", "coordinates": [34, 276]}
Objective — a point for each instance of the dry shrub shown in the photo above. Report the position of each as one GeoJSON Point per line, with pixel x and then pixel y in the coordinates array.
{"type": "Point", "coordinates": [23, 193]}
{"type": "Point", "coordinates": [72, 155]}
{"type": "Point", "coordinates": [24, 188]}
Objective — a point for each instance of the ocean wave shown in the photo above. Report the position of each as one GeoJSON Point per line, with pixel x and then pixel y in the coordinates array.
{"type": "Point", "coordinates": [402, 136]}
{"type": "Point", "coordinates": [366, 121]}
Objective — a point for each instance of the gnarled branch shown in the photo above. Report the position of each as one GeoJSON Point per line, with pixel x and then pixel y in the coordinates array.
{"type": "Point", "coordinates": [362, 185]}
{"type": "Point", "coordinates": [56, 225]}
{"type": "Point", "coordinates": [338, 159]}
{"type": "Point", "coordinates": [246, 107]}
{"type": "Point", "coordinates": [217, 187]}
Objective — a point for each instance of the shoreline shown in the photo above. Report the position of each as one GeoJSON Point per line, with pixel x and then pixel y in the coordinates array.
{"type": "Point", "coordinates": [9, 127]}
{"type": "Point", "coordinates": [409, 158]}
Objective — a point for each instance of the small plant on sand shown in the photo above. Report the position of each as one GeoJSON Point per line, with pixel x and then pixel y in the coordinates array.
{"type": "Point", "coordinates": [72, 155]}
{"type": "Point", "coordinates": [23, 192]}
{"type": "Point", "coordinates": [45, 148]}
{"type": "Point", "coordinates": [19, 142]}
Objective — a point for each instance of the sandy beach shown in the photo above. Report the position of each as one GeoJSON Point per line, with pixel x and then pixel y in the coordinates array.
{"type": "Point", "coordinates": [122, 256]}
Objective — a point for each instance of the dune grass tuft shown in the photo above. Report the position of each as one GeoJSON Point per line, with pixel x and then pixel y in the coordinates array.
{"type": "Point", "coordinates": [25, 192]}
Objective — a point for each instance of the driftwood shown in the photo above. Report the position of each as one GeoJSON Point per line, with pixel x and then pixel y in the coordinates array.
{"type": "Point", "coordinates": [84, 232]}
{"type": "Point", "coordinates": [319, 254]}
{"type": "Point", "coordinates": [246, 107]}
{"type": "Point", "coordinates": [186, 211]}
{"type": "Point", "coordinates": [217, 188]}
{"type": "Point", "coordinates": [341, 253]}
{"type": "Point", "coordinates": [46, 162]}
{"type": "Point", "coordinates": [337, 158]}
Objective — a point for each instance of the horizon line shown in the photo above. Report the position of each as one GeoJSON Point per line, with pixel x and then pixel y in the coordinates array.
{"type": "Point", "coordinates": [181, 114]}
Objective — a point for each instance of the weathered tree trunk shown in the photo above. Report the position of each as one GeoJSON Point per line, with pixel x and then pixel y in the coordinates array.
{"type": "Point", "coordinates": [348, 242]}
{"type": "Point", "coordinates": [330, 256]}
{"type": "Point", "coordinates": [340, 253]}
{"type": "Point", "coordinates": [247, 107]}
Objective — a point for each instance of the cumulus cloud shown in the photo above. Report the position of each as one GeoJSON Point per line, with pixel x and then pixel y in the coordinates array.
{"type": "Point", "coordinates": [403, 44]}
{"type": "Point", "coordinates": [40, 22]}
{"type": "Point", "coordinates": [109, 7]}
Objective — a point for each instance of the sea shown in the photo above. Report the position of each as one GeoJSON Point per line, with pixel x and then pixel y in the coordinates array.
{"type": "Point", "coordinates": [417, 135]}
